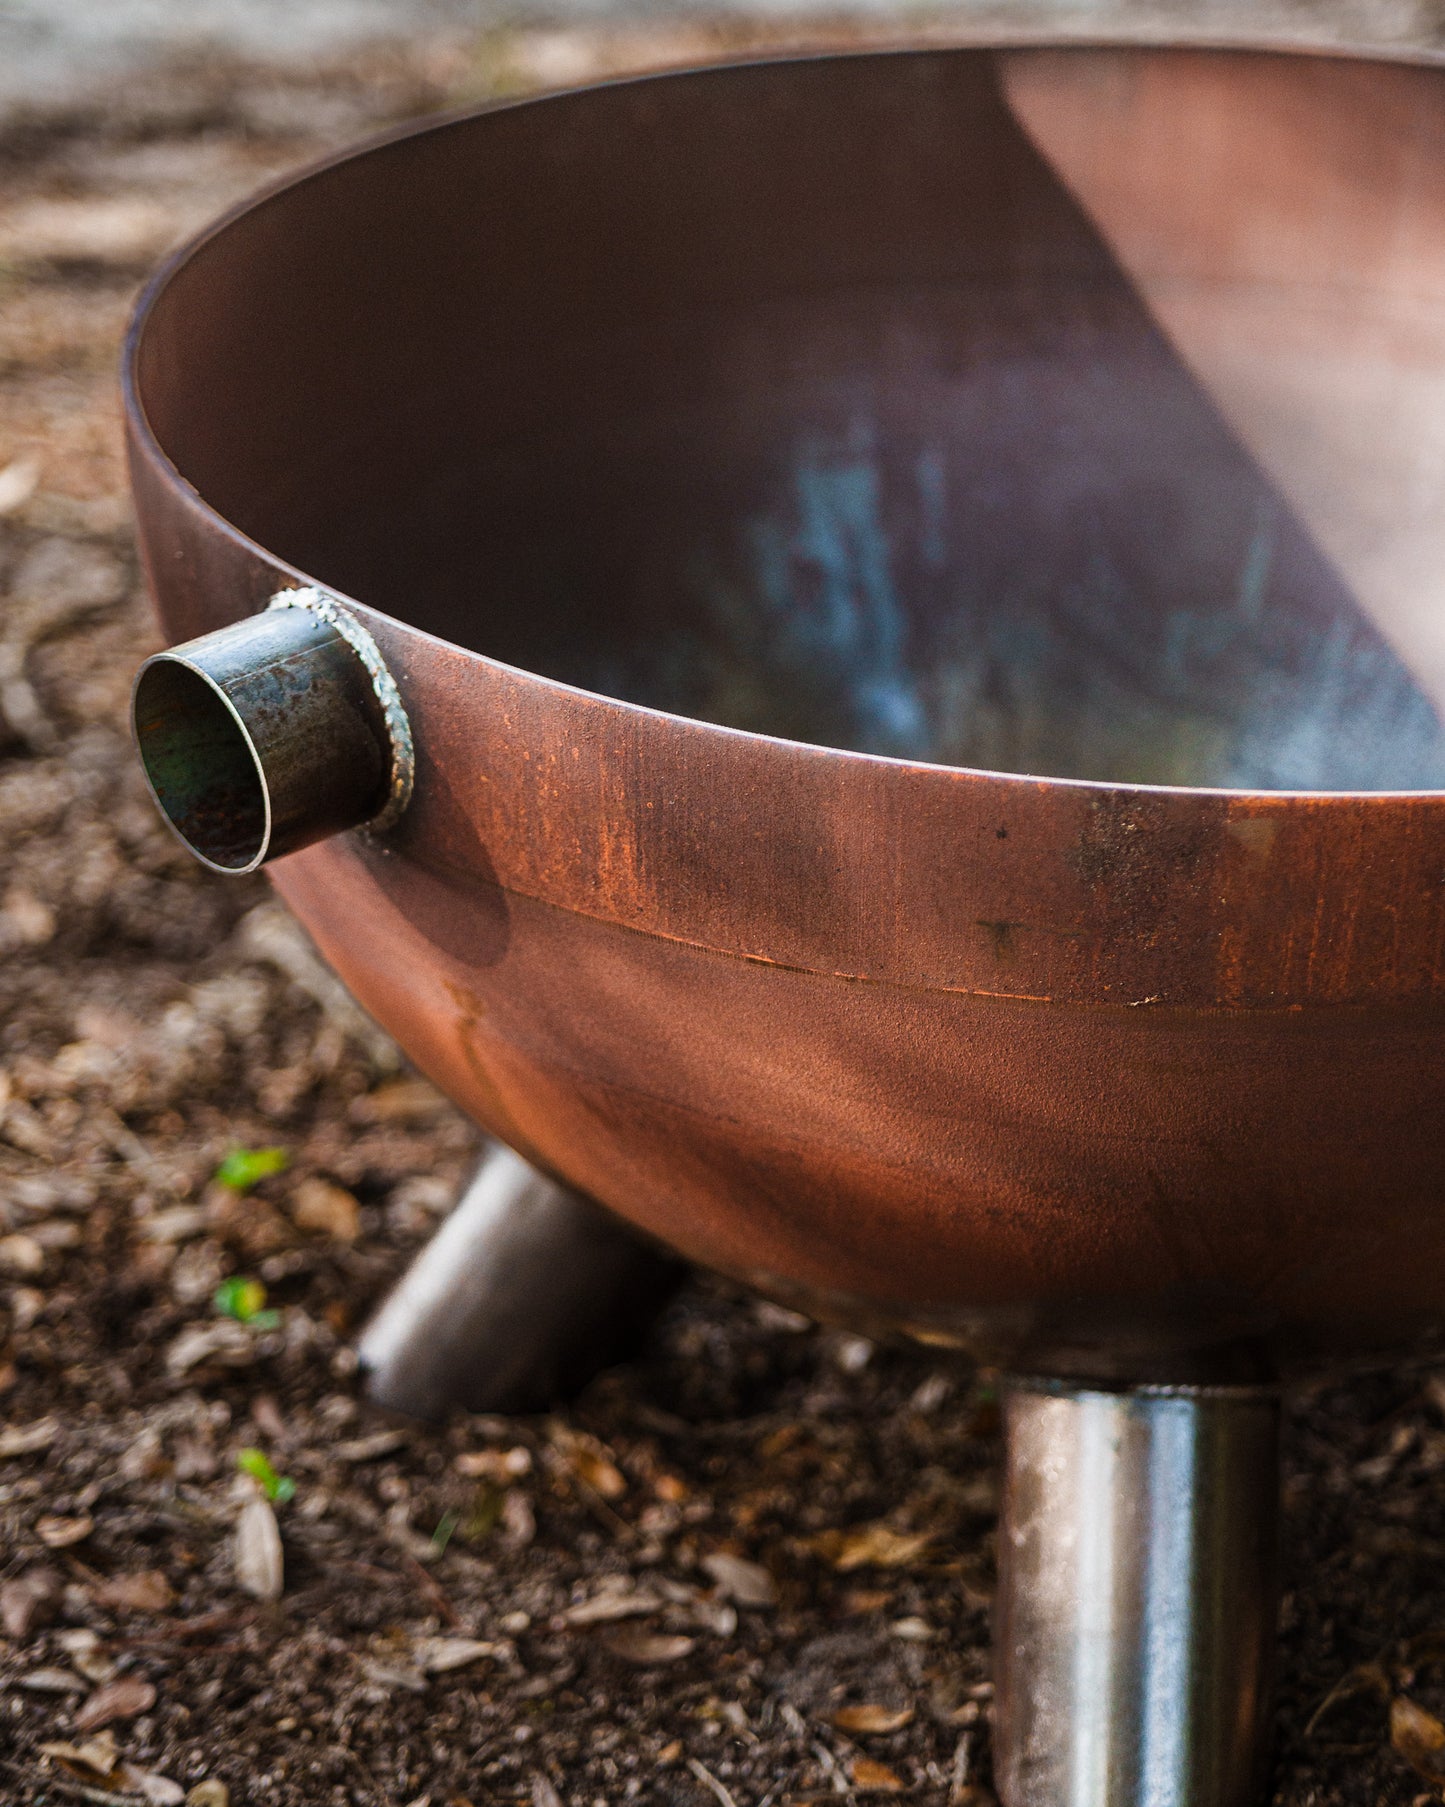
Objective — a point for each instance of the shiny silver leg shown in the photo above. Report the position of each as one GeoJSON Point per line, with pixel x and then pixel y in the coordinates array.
{"type": "Point", "coordinates": [1137, 1592]}
{"type": "Point", "coordinates": [525, 1291]}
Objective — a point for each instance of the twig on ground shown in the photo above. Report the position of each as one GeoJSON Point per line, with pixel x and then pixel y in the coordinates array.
{"type": "Point", "coordinates": [958, 1779]}
{"type": "Point", "coordinates": [710, 1782]}
{"type": "Point", "coordinates": [831, 1769]}
{"type": "Point", "coordinates": [433, 1590]}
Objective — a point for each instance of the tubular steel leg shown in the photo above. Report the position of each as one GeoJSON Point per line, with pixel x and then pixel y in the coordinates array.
{"type": "Point", "coordinates": [525, 1291]}
{"type": "Point", "coordinates": [1137, 1590]}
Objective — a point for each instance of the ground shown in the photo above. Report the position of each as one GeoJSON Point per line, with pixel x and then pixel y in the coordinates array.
{"type": "Point", "coordinates": [57, 48]}
{"type": "Point", "coordinates": [753, 1567]}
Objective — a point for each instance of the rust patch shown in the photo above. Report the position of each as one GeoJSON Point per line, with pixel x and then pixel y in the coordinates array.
{"type": "Point", "coordinates": [1255, 834]}
{"type": "Point", "coordinates": [1001, 934]}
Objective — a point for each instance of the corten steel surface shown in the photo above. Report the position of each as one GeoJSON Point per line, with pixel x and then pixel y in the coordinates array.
{"type": "Point", "coordinates": [1074, 413]}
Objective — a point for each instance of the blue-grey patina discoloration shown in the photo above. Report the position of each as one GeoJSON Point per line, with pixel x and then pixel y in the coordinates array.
{"type": "Point", "coordinates": [933, 507]}
{"type": "Point", "coordinates": [802, 626]}
{"type": "Point", "coordinates": [831, 611]}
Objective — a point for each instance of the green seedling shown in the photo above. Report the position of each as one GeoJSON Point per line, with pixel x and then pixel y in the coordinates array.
{"type": "Point", "coordinates": [442, 1536]}
{"type": "Point", "coordinates": [277, 1487]}
{"type": "Point", "coordinates": [481, 1521]}
{"type": "Point", "coordinates": [244, 1168]}
{"type": "Point", "coordinates": [244, 1300]}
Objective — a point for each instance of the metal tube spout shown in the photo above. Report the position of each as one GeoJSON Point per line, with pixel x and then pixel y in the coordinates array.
{"type": "Point", "coordinates": [276, 732]}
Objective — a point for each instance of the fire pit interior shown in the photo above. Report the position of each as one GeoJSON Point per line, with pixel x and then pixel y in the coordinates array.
{"type": "Point", "coordinates": [887, 440]}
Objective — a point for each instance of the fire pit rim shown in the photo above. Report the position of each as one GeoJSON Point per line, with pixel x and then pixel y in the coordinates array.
{"type": "Point", "coordinates": [143, 441]}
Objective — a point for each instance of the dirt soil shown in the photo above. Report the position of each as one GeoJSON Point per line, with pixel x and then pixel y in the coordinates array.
{"type": "Point", "coordinates": [754, 1567]}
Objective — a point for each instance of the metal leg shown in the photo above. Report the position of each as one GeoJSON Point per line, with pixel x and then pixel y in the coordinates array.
{"type": "Point", "coordinates": [1137, 1591]}
{"type": "Point", "coordinates": [524, 1293]}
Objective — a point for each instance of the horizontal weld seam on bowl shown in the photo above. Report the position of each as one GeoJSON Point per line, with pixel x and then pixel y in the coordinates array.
{"type": "Point", "coordinates": [1159, 1000]}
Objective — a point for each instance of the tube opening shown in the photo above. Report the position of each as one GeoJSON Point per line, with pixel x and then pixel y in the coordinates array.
{"type": "Point", "coordinates": [201, 765]}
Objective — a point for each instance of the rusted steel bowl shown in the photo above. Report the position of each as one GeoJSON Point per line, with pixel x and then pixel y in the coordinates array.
{"type": "Point", "coordinates": [914, 578]}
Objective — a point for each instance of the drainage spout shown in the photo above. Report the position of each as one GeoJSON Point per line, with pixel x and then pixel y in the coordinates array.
{"type": "Point", "coordinates": [273, 733]}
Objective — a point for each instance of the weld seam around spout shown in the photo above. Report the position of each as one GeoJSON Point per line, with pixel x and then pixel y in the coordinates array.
{"type": "Point", "coordinates": [398, 723]}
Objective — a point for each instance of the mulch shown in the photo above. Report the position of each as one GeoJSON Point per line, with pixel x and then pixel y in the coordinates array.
{"type": "Point", "coordinates": [753, 1567]}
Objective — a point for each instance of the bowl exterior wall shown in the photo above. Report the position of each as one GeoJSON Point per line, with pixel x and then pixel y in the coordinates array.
{"type": "Point", "coordinates": [994, 1060]}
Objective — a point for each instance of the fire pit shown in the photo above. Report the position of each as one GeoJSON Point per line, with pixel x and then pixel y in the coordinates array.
{"type": "Point", "coordinates": [874, 622]}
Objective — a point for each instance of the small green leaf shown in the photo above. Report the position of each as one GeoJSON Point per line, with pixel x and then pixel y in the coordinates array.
{"type": "Point", "coordinates": [277, 1487]}
{"type": "Point", "coordinates": [442, 1536]}
{"type": "Point", "coordinates": [245, 1167]}
{"type": "Point", "coordinates": [244, 1300]}
{"type": "Point", "coordinates": [481, 1521]}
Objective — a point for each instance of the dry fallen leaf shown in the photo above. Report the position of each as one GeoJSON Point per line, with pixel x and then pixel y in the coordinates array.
{"type": "Point", "coordinates": [98, 1762]}
{"type": "Point", "coordinates": [500, 1466]}
{"type": "Point", "coordinates": [369, 1449]}
{"type": "Point", "coordinates": [60, 1533]}
{"type": "Point", "coordinates": [874, 1778]}
{"type": "Point", "coordinates": [26, 1439]}
{"type": "Point", "coordinates": [590, 1461]}
{"type": "Point", "coordinates": [716, 1616]}
{"type": "Point", "coordinates": [144, 1458]}
{"type": "Point", "coordinates": [975, 1582]}
{"type": "Point", "coordinates": [645, 1648]}
{"type": "Point", "coordinates": [25, 1600]}
{"type": "Point", "coordinates": [209, 1793]}
{"type": "Point", "coordinates": [397, 1101]}
{"type": "Point", "coordinates": [872, 1718]}
{"type": "Point", "coordinates": [600, 1474]}
{"type": "Point", "coordinates": [119, 228]}
{"type": "Point", "coordinates": [57, 1233]}
{"type": "Point", "coordinates": [159, 1791]}
{"type": "Point", "coordinates": [260, 1565]}
{"type": "Point", "coordinates": [88, 1654]}
{"type": "Point", "coordinates": [177, 1223]}
{"type": "Point", "coordinates": [326, 1210]}
{"type": "Point", "coordinates": [1419, 1738]}
{"type": "Point", "coordinates": [912, 1630]}
{"type": "Point", "coordinates": [52, 1681]}
{"type": "Point", "coordinates": [147, 1590]}
{"type": "Point", "coordinates": [746, 1583]}
{"type": "Point", "coordinates": [18, 482]}
{"type": "Point", "coordinates": [439, 1656]}
{"type": "Point", "coordinates": [611, 1604]}
{"type": "Point", "coordinates": [519, 1520]}
{"type": "Point", "coordinates": [706, 1610]}
{"type": "Point", "coordinates": [544, 1794]}
{"type": "Point", "coordinates": [391, 1677]}
{"type": "Point", "coordinates": [871, 1546]}
{"type": "Point", "coordinates": [26, 1304]}
{"type": "Point", "coordinates": [21, 1255]}
{"type": "Point", "coordinates": [99, 1754]}
{"type": "Point", "coordinates": [123, 1698]}
{"type": "Point", "coordinates": [222, 1340]}
{"type": "Point", "coordinates": [772, 1316]}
